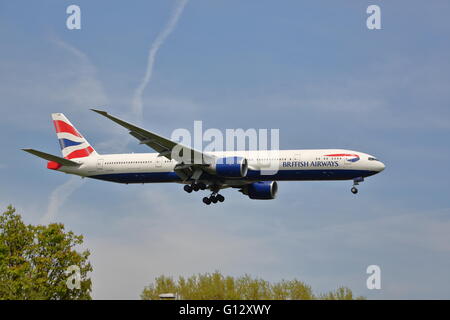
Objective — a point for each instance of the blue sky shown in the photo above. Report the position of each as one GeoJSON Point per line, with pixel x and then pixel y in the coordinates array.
{"type": "Point", "coordinates": [310, 68]}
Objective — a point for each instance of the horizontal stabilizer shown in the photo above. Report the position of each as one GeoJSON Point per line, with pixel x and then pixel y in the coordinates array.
{"type": "Point", "coordinates": [50, 157]}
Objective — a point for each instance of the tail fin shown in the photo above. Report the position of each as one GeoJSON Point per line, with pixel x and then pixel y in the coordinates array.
{"type": "Point", "coordinates": [72, 143]}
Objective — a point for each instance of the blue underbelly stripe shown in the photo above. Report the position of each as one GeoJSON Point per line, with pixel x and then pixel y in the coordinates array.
{"type": "Point", "coordinates": [281, 175]}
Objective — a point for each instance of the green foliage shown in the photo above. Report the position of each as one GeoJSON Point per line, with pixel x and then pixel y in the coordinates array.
{"type": "Point", "coordinates": [34, 259]}
{"type": "Point", "coordinates": [341, 293]}
{"type": "Point", "coordinates": [215, 286]}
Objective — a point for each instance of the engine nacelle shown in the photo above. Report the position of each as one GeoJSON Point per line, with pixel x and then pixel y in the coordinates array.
{"type": "Point", "coordinates": [231, 167]}
{"type": "Point", "coordinates": [263, 190]}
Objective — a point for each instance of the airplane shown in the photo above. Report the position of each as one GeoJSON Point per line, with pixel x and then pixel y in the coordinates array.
{"type": "Point", "coordinates": [243, 170]}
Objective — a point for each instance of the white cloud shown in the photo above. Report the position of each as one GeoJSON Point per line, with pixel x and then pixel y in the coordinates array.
{"type": "Point", "coordinates": [83, 90]}
{"type": "Point", "coordinates": [69, 84]}
{"type": "Point", "coordinates": [58, 196]}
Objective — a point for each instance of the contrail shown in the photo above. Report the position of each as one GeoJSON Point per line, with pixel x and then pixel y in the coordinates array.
{"type": "Point", "coordinates": [137, 104]}
{"type": "Point", "coordinates": [87, 74]}
{"type": "Point", "coordinates": [59, 196]}
{"type": "Point", "coordinates": [62, 192]}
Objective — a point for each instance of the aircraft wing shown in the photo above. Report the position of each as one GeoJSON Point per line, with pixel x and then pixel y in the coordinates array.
{"type": "Point", "coordinates": [160, 144]}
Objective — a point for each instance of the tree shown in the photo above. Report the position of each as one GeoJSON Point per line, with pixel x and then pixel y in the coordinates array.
{"type": "Point", "coordinates": [215, 286]}
{"type": "Point", "coordinates": [341, 293]}
{"type": "Point", "coordinates": [34, 260]}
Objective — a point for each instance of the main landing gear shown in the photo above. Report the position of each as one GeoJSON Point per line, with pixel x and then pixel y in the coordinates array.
{"type": "Point", "coordinates": [213, 198]}
{"type": "Point", "coordinates": [356, 182]}
{"type": "Point", "coordinates": [194, 187]}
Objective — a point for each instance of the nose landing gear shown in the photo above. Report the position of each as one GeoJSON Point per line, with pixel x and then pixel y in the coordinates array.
{"type": "Point", "coordinates": [356, 182]}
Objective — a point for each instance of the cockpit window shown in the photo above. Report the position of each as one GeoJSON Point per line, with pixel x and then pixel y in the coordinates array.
{"type": "Point", "coordinates": [373, 159]}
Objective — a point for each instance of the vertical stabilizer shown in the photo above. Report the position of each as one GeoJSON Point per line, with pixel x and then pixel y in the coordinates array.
{"type": "Point", "coordinates": [73, 144]}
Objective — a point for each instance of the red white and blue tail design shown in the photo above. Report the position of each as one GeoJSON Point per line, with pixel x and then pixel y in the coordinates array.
{"type": "Point", "coordinates": [72, 143]}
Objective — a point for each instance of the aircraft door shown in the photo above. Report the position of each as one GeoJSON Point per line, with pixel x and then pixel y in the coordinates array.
{"type": "Point", "coordinates": [158, 162]}
{"type": "Point", "coordinates": [100, 164]}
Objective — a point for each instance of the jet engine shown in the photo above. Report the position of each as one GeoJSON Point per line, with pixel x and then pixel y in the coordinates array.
{"type": "Point", "coordinates": [263, 190]}
{"type": "Point", "coordinates": [231, 167]}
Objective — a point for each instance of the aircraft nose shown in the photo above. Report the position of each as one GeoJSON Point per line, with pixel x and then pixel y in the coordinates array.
{"type": "Point", "coordinates": [381, 166]}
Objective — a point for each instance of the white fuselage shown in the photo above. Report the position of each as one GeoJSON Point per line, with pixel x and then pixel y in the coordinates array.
{"type": "Point", "coordinates": [293, 165]}
{"type": "Point", "coordinates": [254, 173]}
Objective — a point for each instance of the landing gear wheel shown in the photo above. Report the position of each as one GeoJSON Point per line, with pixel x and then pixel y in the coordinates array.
{"type": "Point", "coordinates": [213, 199]}
{"type": "Point", "coordinates": [354, 190]}
{"type": "Point", "coordinates": [195, 187]}
{"type": "Point", "coordinates": [206, 201]}
{"type": "Point", "coordinates": [202, 186]}
{"type": "Point", "coordinates": [187, 188]}
{"type": "Point", "coordinates": [220, 197]}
